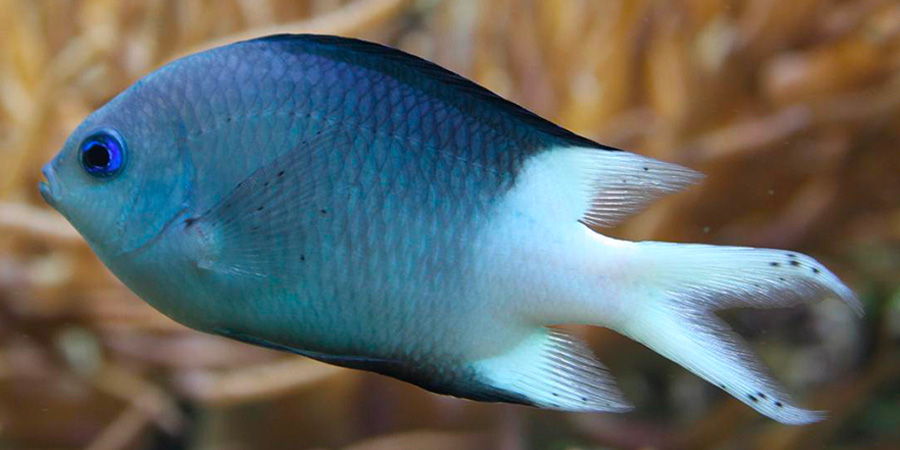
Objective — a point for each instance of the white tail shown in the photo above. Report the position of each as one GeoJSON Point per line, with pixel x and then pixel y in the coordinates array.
{"type": "Point", "coordinates": [687, 283]}
{"type": "Point", "coordinates": [662, 295]}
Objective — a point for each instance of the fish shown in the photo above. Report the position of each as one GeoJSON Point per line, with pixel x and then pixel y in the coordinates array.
{"type": "Point", "coordinates": [358, 205]}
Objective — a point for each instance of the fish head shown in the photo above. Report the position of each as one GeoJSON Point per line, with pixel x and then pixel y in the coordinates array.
{"type": "Point", "coordinates": [122, 176]}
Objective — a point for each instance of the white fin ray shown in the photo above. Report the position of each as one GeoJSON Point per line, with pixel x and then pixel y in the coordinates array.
{"type": "Point", "coordinates": [554, 370]}
{"type": "Point", "coordinates": [620, 184]}
{"type": "Point", "coordinates": [704, 345]}
{"type": "Point", "coordinates": [591, 185]}
{"type": "Point", "coordinates": [713, 277]}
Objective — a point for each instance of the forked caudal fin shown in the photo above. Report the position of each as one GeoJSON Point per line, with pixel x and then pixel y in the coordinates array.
{"type": "Point", "coordinates": [685, 284]}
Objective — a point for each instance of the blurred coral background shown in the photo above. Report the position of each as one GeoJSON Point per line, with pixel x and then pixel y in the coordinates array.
{"type": "Point", "coordinates": [792, 109]}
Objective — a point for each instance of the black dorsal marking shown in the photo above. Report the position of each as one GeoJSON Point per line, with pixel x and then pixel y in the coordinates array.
{"type": "Point", "coordinates": [423, 75]}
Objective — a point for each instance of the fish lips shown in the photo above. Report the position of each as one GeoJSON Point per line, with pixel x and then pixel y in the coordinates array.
{"type": "Point", "coordinates": [50, 188]}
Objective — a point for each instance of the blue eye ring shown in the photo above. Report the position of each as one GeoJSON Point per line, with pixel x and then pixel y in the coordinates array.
{"type": "Point", "coordinates": [102, 154]}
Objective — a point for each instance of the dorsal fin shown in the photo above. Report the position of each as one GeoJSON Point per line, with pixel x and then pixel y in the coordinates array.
{"type": "Point", "coordinates": [624, 183]}
{"type": "Point", "coordinates": [577, 184]}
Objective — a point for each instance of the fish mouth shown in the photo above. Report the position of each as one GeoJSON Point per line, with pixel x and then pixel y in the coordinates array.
{"type": "Point", "coordinates": [49, 190]}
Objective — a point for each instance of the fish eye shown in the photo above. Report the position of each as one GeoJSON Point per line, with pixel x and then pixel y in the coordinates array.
{"type": "Point", "coordinates": [103, 154]}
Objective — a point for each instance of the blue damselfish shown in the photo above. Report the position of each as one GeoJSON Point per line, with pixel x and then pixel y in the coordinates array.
{"type": "Point", "coordinates": [361, 206]}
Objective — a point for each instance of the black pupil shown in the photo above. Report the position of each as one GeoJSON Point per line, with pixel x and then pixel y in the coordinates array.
{"type": "Point", "coordinates": [97, 155]}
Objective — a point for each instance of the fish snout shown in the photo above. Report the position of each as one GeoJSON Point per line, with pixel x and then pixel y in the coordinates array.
{"type": "Point", "coordinates": [50, 188]}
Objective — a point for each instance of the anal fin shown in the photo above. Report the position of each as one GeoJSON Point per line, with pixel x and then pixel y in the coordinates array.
{"type": "Point", "coordinates": [682, 285]}
{"type": "Point", "coordinates": [554, 370]}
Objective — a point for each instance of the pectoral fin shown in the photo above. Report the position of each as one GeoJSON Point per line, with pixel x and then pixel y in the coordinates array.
{"type": "Point", "coordinates": [257, 229]}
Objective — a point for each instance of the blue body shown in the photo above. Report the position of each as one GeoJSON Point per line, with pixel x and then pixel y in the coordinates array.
{"type": "Point", "coordinates": [409, 161]}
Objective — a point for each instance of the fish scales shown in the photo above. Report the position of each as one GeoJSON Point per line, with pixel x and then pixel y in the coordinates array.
{"type": "Point", "coordinates": [388, 119]}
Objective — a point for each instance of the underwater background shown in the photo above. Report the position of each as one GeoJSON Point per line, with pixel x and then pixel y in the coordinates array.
{"type": "Point", "coordinates": [791, 109]}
